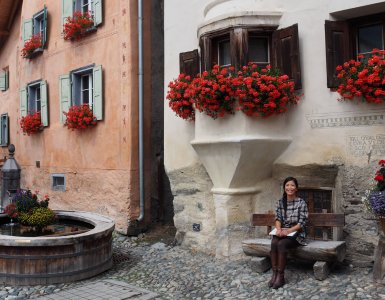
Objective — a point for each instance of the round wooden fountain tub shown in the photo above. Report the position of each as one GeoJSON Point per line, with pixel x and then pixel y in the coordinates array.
{"type": "Point", "coordinates": [58, 259]}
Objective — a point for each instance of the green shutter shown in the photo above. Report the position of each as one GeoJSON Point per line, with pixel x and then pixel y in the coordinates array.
{"type": "Point", "coordinates": [23, 102]}
{"type": "Point", "coordinates": [27, 29]}
{"type": "Point", "coordinates": [3, 81]}
{"type": "Point", "coordinates": [67, 10]}
{"type": "Point", "coordinates": [4, 130]}
{"type": "Point", "coordinates": [44, 38]}
{"type": "Point", "coordinates": [98, 12]}
{"type": "Point", "coordinates": [65, 96]}
{"type": "Point", "coordinates": [97, 96]}
{"type": "Point", "coordinates": [44, 103]}
{"type": "Point", "coordinates": [7, 79]}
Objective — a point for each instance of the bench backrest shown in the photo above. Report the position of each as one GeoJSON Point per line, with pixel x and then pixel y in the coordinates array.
{"type": "Point", "coordinates": [324, 220]}
{"type": "Point", "coordinates": [315, 220]}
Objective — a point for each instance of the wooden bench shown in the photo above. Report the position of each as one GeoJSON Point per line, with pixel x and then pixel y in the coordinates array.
{"type": "Point", "coordinates": [325, 253]}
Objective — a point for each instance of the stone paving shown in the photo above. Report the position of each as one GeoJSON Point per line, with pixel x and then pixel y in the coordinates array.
{"type": "Point", "coordinates": [155, 266]}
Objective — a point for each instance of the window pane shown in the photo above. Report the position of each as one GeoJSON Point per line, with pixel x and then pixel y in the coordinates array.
{"type": "Point", "coordinates": [258, 50]}
{"type": "Point", "coordinates": [370, 37]}
{"type": "Point", "coordinates": [85, 89]}
{"type": "Point", "coordinates": [38, 98]}
{"type": "Point", "coordinates": [224, 57]}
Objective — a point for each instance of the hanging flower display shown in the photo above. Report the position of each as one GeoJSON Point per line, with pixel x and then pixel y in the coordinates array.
{"type": "Point", "coordinates": [31, 123]}
{"type": "Point", "coordinates": [80, 117]}
{"type": "Point", "coordinates": [31, 45]}
{"type": "Point", "coordinates": [179, 97]}
{"type": "Point", "coordinates": [264, 92]}
{"type": "Point", "coordinates": [78, 26]}
{"type": "Point", "coordinates": [360, 78]}
{"type": "Point", "coordinates": [213, 92]}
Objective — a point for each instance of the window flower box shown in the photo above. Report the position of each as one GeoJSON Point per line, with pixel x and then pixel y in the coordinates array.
{"type": "Point", "coordinates": [32, 47]}
{"type": "Point", "coordinates": [80, 117]}
{"type": "Point", "coordinates": [360, 78]}
{"type": "Point", "coordinates": [78, 26]}
{"type": "Point", "coordinates": [31, 123]}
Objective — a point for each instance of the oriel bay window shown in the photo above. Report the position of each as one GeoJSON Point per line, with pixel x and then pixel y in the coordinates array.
{"type": "Point", "coordinates": [238, 46]}
{"type": "Point", "coordinates": [82, 86]}
{"type": "Point", "coordinates": [34, 98]}
{"type": "Point", "coordinates": [349, 38]}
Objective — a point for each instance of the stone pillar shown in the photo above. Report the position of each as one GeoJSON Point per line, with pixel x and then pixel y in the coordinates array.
{"type": "Point", "coordinates": [11, 177]}
{"type": "Point", "coordinates": [232, 220]}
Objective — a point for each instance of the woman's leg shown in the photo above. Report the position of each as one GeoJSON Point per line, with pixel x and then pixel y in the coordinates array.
{"type": "Point", "coordinates": [284, 244]}
{"type": "Point", "coordinates": [274, 259]}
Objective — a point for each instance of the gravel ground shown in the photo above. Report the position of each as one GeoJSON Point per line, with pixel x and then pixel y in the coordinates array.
{"type": "Point", "coordinates": [153, 263]}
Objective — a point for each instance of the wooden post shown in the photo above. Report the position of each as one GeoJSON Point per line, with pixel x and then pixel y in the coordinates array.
{"type": "Point", "coordinates": [379, 261]}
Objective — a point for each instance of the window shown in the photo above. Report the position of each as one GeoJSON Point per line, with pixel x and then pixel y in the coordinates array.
{"type": "Point", "coordinates": [93, 6]}
{"type": "Point", "coordinates": [4, 79]}
{"type": "Point", "coordinates": [318, 201]}
{"type": "Point", "coordinates": [4, 133]}
{"type": "Point", "coordinates": [34, 98]}
{"type": "Point", "coordinates": [36, 25]}
{"type": "Point", "coordinates": [82, 86]}
{"type": "Point", "coordinates": [346, 39]}
{"type": "Point", "coordinates": [239, 46]}
{"type": "Point", "coordinates": [58, 182]}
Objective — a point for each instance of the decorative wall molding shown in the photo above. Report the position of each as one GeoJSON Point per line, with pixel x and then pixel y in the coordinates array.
{"type": "Point", "coordinates": [346, 119]}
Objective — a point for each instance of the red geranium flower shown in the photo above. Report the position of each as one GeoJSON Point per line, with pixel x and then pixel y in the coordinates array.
{"type": "Point", "coordinates": [31, 45]}
{"type": "Point", "coordinates": [31, 123]}
{"type": "Point", "coordinates": [77, 26]}
{"type": "Point", "coordinates": [80, 117]}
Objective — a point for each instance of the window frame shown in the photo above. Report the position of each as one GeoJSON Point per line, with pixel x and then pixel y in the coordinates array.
{"type": "Point", "coordinates": [70, 90]}
{"type": "Point", "coordinates": [70, 6]}
{"type": "Point", "coordinates": [341, 42]}
{"type": "Point", "coordinates": [4, 77]}
{"type": "Point", "coordinates": [33, 89]}
{"type": "Point", "coordinates": [77, 85]}
{"type": "Point", "coordinates": [27, 105]}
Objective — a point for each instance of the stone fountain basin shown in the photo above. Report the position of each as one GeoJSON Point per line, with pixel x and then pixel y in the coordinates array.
{"type": "Point", "coordinates": [58, 259]}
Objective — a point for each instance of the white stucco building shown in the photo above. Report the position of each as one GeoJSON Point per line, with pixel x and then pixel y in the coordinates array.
{"type": "Point", "coordinates": [223, 170]}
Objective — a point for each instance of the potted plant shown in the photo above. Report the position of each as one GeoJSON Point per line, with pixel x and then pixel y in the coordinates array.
{"type": "Point", "coordinates": [80, 117]}
{"type": "Point", "coordinates": [374, 199]}
{"type": "Point", "coordinates": [360, 78]}
{"type": "Point", "coordinates": [31, 123]}
{"type": "Point", "coordinates": [32, 46]}
{"type": "Point", "coordinates": [29, 210]}
{"type": "Point", "coordinates": [79, 25]}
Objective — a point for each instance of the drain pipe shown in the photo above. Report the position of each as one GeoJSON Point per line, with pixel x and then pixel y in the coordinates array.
{"type": "Point", "coordinates": [140, 87]}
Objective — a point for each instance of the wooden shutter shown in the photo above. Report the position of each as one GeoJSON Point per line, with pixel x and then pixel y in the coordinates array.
{"type": "Point", "coordinates": [27, 29]}
{"type": "Point", "coordinates": [189, 63]}
{"type": "Point", "coordinates": [239, 47]}
{"type": "Point", "coordinates": [3, 80]}
{"type": "Point", "coordinates": [286, 53]}
{"type": "Point", "coordinates": [65, 96]}
{"type": "Point", "coordinates": [337, 48]}
{"type": "Point", "coordinates": [44, 103]}
{"type": "Point", "coordinates": [205, 44]}
{"type": "Point", "coordinates": [98, 12]}
{"type": "Point", "coordinates": [97, 93]}
{"type": "Point", "coordinates": [44, 38]}
{"type": "Point", "coordinates": [67, 10]}
{"type": "Point", "coordinates": [23, 102]}
{"type": "Point", "coordinates": [4, 130]}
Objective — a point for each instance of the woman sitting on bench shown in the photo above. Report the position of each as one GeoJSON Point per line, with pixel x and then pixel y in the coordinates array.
{"type": "Point", "coordinates": [291, 216]}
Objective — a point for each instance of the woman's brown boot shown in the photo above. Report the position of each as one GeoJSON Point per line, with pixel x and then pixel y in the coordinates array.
{"type": "Point", "coordinates": [280, 278]}
{"type": "Point", "coordinates": [274, 268]}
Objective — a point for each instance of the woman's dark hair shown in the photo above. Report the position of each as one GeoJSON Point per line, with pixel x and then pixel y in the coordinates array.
{"type": "Point", "coordinates": [284, 197]}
